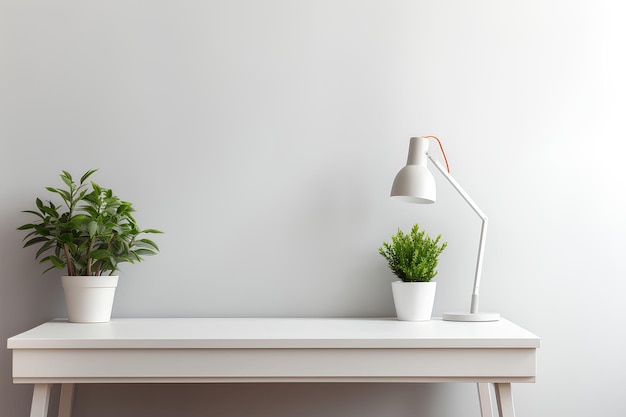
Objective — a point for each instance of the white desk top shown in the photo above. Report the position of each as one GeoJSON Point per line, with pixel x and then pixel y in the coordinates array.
{"type": "Point", "coordinates": [276, 333]}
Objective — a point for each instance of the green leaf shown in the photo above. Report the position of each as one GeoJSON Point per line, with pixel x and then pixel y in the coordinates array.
{"type": "Point", "coordinates": [145, 252]}
{"type": "Point", "coordinates": [36, 213]}
{"type": "Point", "coordinates": [77, 221]}
{"type": "Point", "coordinates": [87, 175]}
{"type": "Point", "coordinates": [92, 228]}
{"type": "Point", "coordinates": [150, 243]}
{"type": "Point", "coordinates": [46, 246]}
{"type": "Point", "coordinates": [56, 262]}
{"type": "Point", "coordinates": [63, 193]}
{"type": "Point", "coordinates": [66, 238]}
{"type": "Point", "coordinates": [26, 226]}
{"type": "Point", "coordinates": [151, 231]}
{"type": "Point", "coordinates": [35, 240]}
{"type": "Point", "coordinates": [50, 211]}
{"type": "Point", "coordinates": [100, 254]}
{"type": "Point", "coordinates": [67, 178]}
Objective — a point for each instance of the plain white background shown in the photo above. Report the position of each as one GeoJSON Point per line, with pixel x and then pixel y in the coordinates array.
{"type": "Point", "coordinates": [263, 137]}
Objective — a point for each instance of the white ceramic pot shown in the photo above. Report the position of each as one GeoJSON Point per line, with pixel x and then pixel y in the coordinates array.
{"type": "Point", "coordinates": [413, 300]}
{"type": "Point", "coordinates": [89, 299]}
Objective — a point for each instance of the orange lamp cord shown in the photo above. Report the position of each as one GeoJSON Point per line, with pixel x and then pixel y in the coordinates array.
{"type": "Point", "coordinates": [442, 151]}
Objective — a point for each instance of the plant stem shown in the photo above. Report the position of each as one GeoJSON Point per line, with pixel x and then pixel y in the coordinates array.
{"type": "Point", "coordinates": [91, 243]}
{"type": "Point", "coordinates": [70, 263]}
{"type": "Point", "coordinates": [108, 248]}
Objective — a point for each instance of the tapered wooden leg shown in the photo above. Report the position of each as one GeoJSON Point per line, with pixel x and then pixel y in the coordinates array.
{"type": "Point", "coordinates": [484, 396]}
{"type": "Point", "coordinates": [67, 399]}
{"type": "Point", "coordinates": [41, 400]}
{"type": "Point", "coordinates": [504, 398]}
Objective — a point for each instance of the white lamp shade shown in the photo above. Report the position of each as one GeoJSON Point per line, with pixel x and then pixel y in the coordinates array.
{"type": "Point", "coordinates": [415, 183]}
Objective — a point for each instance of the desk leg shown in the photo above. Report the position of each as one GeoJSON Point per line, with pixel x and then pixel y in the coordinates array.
{"type": "Point", "coordinates": [41, 399]}
{"type": "Point", "coordinates": [504, 398]}
{"type": "Point", "coordinates": [484, 395]}
{"type": "Point", "coordinates": [66, 401]}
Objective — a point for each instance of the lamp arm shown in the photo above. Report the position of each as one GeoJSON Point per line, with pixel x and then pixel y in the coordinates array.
{"type": "Point", "coordinates": [483, 231]}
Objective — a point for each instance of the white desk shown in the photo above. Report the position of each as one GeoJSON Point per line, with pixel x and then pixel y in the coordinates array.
{"type": "Point", "coordinates": [167, 350]}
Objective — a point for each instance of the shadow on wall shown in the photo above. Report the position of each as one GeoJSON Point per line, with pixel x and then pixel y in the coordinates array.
{"type": "Point", "coordinates": [277, 400]}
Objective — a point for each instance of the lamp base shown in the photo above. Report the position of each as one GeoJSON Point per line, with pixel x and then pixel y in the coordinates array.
{"type": "Point", "coordinates": [471, 316]}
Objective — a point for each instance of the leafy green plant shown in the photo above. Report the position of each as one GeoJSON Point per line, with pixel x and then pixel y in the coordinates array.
{"type": "Point", "coordinates": [91, 233]}
{"type": "Point", "coordinates": [413, 257]}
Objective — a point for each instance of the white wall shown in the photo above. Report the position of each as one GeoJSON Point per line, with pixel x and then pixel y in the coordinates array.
{"type": "Point", "coordinates": [263, 137]}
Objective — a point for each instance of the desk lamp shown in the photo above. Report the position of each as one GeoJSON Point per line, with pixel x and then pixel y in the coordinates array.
{"type": "Point", "coordinates": [416, 184]}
